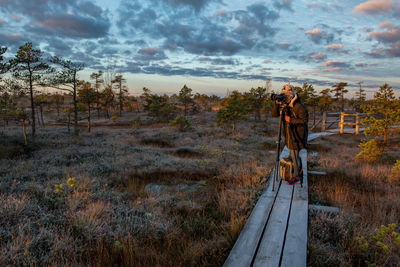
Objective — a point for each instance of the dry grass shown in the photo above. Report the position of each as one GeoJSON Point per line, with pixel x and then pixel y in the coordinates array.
{"type": "Point", "coordinates": [366, 193]}
{"type": "Point", "coordinates": [142, 197]}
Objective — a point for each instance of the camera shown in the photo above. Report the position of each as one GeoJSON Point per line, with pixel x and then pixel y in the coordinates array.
{"type": "Point", "coordinates": [280, 98]}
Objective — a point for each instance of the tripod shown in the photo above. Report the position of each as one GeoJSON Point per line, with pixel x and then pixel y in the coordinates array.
{"type": "Point", "coordinates": [278, 149]}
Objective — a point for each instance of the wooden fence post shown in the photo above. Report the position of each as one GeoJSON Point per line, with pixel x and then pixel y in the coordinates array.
{"type": "Point", "coordinates": [341, 123]}
{"type": "Point", "coordinates": [323, 129]}
{"type": "Point", "coordinates": [357, 123]}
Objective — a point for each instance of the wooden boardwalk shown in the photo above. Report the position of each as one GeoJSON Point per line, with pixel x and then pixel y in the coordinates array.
{"type": "Point", "coordinates": [276, 232]}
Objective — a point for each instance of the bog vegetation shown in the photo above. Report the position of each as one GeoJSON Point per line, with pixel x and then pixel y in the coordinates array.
{"type": "Point", "coordinates": [91, 175]}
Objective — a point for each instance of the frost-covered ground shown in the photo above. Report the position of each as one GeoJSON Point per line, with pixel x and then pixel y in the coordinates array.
{"type": "Point", "coordinates": [119, 195]}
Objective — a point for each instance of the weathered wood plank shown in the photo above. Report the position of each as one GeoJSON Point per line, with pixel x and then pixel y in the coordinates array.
{"type": "Point", "coordinates": [245, 247]}
{"type": "Point", "coordinates": [317, 172]}
{"type": "Point", "coordinates": [295, 250]}
{"type": "Point", "coordinates": [272, 242]}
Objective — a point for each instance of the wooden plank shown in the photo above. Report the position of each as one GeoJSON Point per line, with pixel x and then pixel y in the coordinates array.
{"type": "Point", "coordinates": [295, 250]}
{"type": "Point", "coordinates": [271, 245]}
{"type": "Point", "coordinates": [316, 172]}
{"type": "Point", "coordinates": [245, 247]}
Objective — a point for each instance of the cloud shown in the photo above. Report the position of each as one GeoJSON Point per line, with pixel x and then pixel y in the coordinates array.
{"type": "Point", "coordinates": [394, 49]}
{"type": "Point", "coordinates": [373, 7]}
{"type": "Point", "coordinates": [266, 61]}
{"type": "Point", "coordinates": [385, 25]}
{"type": "Point", "coordinates": [366, 28]}
{"type": "Point", "coordinates": [338, 49]}
{"type": "Point", "coordinates": [316, 35]}
{"type": "Point", "coordinates": [331, 69]}
{"type": "Point", "coordinates": [72, 26]}
{"type": "Point", "coordinates": [219, 61]}
{"type": "Point", "coordinates": [334, 47]}
{"type": "Point", "coordinates": [16, 17]}
{"type": "Point", "coordinates": [378, 52]}
{"type": "Point", "coordinates": [150, 54]}
{"type": "Point", "coordinates": [283, 4]}
{"type": "Point", "coordinates": [10, 39]}
{"type": "Point", "coordinates": [287, 46]}
{"type": "Point", "coordinates": [318, 57]}
{"type": "Point", "coordinates": [335, 64]}
{"type": "Point", "coordinates": [197, 5]}
{"type": "Point", "coordinates": [59, 46]}
{"type": "Point", "coordinates": [389, 36]}
{"type": "Point", "coordinates": [168, 70]}
{"type": "Point", "coordinates": [326, 6]}
{"type": "Point", "coordinates": [361, 64]}
{"type": "Point", "coordinates": [67, 18]}
{"type": "Point", "coordinates": [224, 33]}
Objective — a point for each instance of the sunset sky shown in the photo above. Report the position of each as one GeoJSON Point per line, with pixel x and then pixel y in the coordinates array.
{"type": "Point", "coordinates": [215, 45]}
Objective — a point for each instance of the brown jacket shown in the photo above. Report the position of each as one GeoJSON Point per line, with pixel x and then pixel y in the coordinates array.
{"type": "Point", "coordinates": [296, 131]}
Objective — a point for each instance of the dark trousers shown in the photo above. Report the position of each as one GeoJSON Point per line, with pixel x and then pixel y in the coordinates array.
{"type": "Point", "coordinates": [294, 154]}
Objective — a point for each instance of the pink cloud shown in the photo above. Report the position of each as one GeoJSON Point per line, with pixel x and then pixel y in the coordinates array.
{"type": "Point", "coordinates": [267, 61]}
{"type": "Point", "coordinates": [334, 47]}
{"type": "Point", "coordinates": [316, 35]}
{"type": "Point", "coordinates": [2, 22]}
{"type": "Point", "coordinates": [331, 69]}
{"type": "Point", "coordinates": [148, 51]}
{"type": "Point", "coordinates": [390, 36]}
{"type": "Point", "coordinates": [385, 25]}
{"type": "Point", "coordinates": [334, 63]}
{"type": "Point", "coordinates": [318, 56]}
{"type": "Point", "coordinates": [314, 31]}
{"type": "Point", "coordinates": [374, 7]}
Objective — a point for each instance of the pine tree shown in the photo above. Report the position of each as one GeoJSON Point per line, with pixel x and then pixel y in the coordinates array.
{"type": "Point", "coordinates": [186, 98]}
{"type": "Point", "coordinates": [255, 100]}
{"type": "Point", "coordinates": [339, 91]}
{"type": "Point", "coordinates": [4, 67]}
{"type": "Point", "coordinates": [66, 79]}
{"type": "Point", "coordinates": [325, 100]}
{"type": "Point", "coordinates": [360, 95]}
{"type": "Point", "coordinates": [88, 96]}
{"type": "Point", "coordinates": [29, 67]}
{"type": "Point", "coordinates": [97, 77]}
{"type": "Point", "coordinates": [234, 109]}
{"type": "Point", "coordinates": [122, 90]}
{"type": "Point", "coordinates": [383, 113]}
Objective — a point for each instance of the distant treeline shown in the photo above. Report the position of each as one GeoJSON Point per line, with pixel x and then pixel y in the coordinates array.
{"type": "Point", "coordinates": [22, 98]}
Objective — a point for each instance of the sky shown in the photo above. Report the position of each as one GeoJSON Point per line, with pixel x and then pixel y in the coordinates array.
{"type": "Point", "coordinates": [215, 46]}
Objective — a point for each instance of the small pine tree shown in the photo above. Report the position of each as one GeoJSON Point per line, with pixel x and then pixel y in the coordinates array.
{"type": "Point", "coordinates": [186, 98]}
{"type": "Point", "coordinates": [325, 100]}
{"type": "Point", "coordinates": [396, 169]}
{"type": "Point", "coordinates": [383, 113]}
{"type": "Point", "coordinates": [234, 110]}
{"type": "Point", "coordinates": [339, 91]}
{"type": "Point", "coordinates": [181, 123]}
{"type": "Point", "coordinates": [371, 151]}
{"type": "Point", "coordinates": [88, 96]}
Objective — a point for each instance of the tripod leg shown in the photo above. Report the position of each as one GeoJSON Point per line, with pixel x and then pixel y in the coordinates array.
{"type": "Point", "coordinates": [278, 148]}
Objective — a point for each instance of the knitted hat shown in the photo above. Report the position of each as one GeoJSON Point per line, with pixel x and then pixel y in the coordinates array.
{"type": "Point", "coordinates": [288, 89]}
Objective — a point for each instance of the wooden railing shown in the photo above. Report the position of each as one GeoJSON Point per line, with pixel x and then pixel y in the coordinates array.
{"type": "Point", "coordinates": [356, 122]}
{"type": "Point", "coordinates": [331, 118]}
